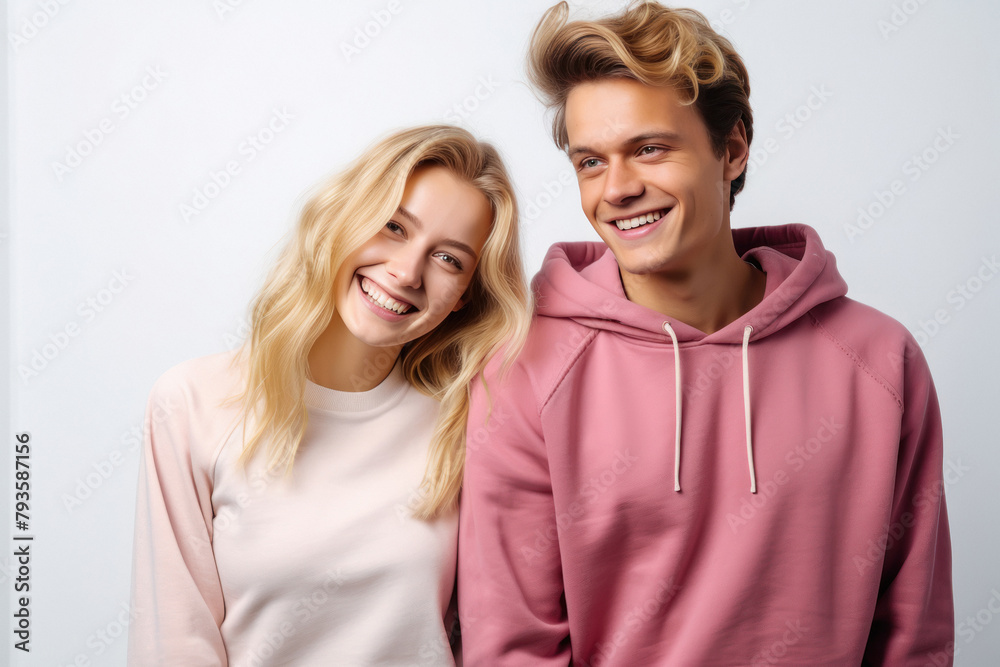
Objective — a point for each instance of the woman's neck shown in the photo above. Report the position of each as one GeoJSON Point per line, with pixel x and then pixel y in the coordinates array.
{"type": "Point", "coordinates": [338, 360]}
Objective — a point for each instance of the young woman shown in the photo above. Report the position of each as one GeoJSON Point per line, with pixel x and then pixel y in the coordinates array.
{"type": "Point", "coordinates": [297, 498]}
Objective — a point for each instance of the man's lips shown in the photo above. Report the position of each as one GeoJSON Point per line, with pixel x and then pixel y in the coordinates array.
{"type": "Point", "coordinates": [639, 219]}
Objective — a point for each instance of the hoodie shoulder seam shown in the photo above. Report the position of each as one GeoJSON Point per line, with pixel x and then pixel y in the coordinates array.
{"type": "Point", "coordinates": [581, 344]}
{"type": "Point", "coordinates": [858, 360]}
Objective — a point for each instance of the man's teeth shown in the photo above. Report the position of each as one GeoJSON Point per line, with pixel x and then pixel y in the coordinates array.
{"type": "Point", "coordinates": [381, 299]}
{"type": "Point", "coordinates": [640, 220]}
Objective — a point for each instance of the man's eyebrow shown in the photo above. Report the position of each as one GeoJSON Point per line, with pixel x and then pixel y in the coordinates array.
{"type": "Point", "coordinates": [671, 137]}
{"type": "Point", "coordinates": [576, 150]}
{"type": "Point", "coordinates": [454, 243]}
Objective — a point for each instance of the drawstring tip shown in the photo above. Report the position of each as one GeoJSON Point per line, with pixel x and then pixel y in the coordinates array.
{"type": "Point", "coordinates": [677, 486]}
{"type": "Point", "coordinates": [746, 405]}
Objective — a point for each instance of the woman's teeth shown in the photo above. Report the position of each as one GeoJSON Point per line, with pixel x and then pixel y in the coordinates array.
{"type": "Point", "coordinates": [377, 297]}
{"type": "Point", "coordinates": [640, 220]}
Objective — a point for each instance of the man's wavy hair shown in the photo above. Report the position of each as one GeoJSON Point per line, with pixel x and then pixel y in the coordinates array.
{"type": "Point", "coordinates": [652, 44]}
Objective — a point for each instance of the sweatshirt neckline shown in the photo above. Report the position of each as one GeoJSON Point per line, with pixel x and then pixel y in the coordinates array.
{"type": "Point", "coordinates": [384, 395]}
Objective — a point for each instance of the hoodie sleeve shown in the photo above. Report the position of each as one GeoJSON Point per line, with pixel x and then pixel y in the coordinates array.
{"type": "Point", "coordinates": [509, 574]}
{"type": "Point", "coordinates": [176, 592]}
{"type": "Point", "coordinates": [914, 615]}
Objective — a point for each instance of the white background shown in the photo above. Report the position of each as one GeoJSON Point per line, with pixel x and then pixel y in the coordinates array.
{"type": "Point", "coordinates": [893, 75]}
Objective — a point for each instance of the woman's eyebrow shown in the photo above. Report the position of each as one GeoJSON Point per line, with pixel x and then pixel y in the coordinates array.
{"type": "Point", "coordinates": [454, 243]}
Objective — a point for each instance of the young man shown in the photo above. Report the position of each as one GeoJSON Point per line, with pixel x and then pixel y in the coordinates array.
{"type": "Point", "coordinates": [707, 454]}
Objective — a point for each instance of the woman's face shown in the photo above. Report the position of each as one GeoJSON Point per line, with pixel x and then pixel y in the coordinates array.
{"type": "Point", "coordinates": [407, 278]}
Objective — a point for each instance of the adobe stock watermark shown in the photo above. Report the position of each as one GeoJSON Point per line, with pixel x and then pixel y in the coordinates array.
{"type": "Point", "coordinates": [929, 498]}
{"type": "Point", "coordinates": [304, 609]}
{"type": "Point", "coordinates": [363, 35]}
{"type": "Point", "coordinates": [129, 443]}
{"type": "Point", "coordinates": [914, 168]}
{"type": "Point", "coordinates": [481, 434]}
{"type": "Point", "coordinates": [553, 189]}
{"type": "Point", "coordinates": [258, 482]}
{"type": "Point", "coordinates": [636, 617]}
{"type": "Point", "coordinates": [589, 493]}
{"type": "Point", "coordinates": [434, 651]}
{"type": "Point", "coordinates": [223, 8]}
{"type": "Point", "coordinates": [404, 511]}
{"type": "Point", "coordinates": [708, 374]}
{"type": "Point", "coordinates": [550, 192]}
{"type": "Point", "coordinates": [723, 360]}
{"type": "Point", "coordinates": [8, 570]}
{"type": "Point", "coordinates": [248, 150]}
{"type": "Point", "coordinates": [233, 339]}
{"type": "Point", "coordinates": [797, 459]}
{"type": "Point", "coordinates": [460, 111]}
{"type": "Point", "coordinates": [29, 27]}
{"type": "Point", "coordinates": [957, 298]}
{"type": "Point", "coordinates": [104, 637]}
{"type": "Point", "coordinates": [967, 630]}
{"type": "Point", "coordinates": [727, 17]}
{"type": "Point", "coordinates": [121, 108]}
{"type": "Point", "coordinates": [787, 126]}
{"type": "Point", "coordinates": [899, 16]}
{"type": "Point", "coordinates": [88, 310]}
{"type": "Point", "coordinates": [773, 654]}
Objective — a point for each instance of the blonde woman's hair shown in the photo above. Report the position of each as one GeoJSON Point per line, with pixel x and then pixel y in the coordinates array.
{"type": "Point", "coordinates": [295, 304]}
{"type": "Point", "coordinates": [654, 45]}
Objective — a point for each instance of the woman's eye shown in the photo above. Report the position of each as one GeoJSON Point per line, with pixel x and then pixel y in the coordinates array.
{"type": "Point", "coordinates": [448, 259]}
{"type": "Point", "coordinates": [394, 227]}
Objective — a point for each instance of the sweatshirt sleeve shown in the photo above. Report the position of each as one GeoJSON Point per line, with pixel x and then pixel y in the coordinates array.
{"type": "Point", "coordinates": [509, 573]}
{"type": "Point", "coordinates": [176, 593]}
{"type": "Point", "coordinates": [914, 615]}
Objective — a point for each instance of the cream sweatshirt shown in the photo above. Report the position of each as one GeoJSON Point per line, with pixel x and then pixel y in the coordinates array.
{"type": "Point", "coordinates": [325, 566]}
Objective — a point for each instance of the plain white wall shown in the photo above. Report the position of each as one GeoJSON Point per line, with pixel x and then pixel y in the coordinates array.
{"type": "Point", "coordinates": [111, 283]}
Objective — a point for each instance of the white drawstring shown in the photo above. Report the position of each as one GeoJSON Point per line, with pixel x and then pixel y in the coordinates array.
{"type": "Point", "coordinates": [747, 330]}
{"type": "Point", "coordinates": [677, 409]}
{"type": "Point", "coordinates": [746, 404]}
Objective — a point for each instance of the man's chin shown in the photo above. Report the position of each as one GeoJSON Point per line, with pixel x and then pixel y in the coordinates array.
{"type": "Point", "coordinates": [641, 265]}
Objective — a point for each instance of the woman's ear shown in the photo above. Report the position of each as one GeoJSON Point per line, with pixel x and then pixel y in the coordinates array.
{"type": "Point", "coordinates": [464, 299]}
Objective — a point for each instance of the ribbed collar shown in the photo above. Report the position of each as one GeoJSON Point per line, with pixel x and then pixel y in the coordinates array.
{"type": "Point", "coordinates": [385, 395]}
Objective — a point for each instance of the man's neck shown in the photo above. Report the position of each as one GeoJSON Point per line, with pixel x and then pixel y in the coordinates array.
{"type": "Point", "coordinates": [708, 295]}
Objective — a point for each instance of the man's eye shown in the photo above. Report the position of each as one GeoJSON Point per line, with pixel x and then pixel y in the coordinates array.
{"type": "Point", "coordinates": [648, 150]}
{"type": "Point", "coordinates": [590, 162]}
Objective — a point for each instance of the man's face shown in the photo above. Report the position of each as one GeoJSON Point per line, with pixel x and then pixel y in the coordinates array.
{"type": "Point", "coordinates": [650, 182]}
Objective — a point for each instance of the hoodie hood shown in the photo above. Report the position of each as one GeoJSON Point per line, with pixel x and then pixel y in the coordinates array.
{"type": "Point", "coordinates": [580, 281]}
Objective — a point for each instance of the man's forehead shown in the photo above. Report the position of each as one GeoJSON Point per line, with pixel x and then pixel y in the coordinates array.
{"type": "Point", "coordinates": [618, 112]}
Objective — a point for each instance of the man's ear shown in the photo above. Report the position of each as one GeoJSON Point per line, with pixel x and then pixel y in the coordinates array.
{"type": "Point", "coordinates": [737, 152]}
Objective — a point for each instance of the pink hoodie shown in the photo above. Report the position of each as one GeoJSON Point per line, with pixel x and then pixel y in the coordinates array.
{"type": "Point", "coordinates": [646, 494]}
